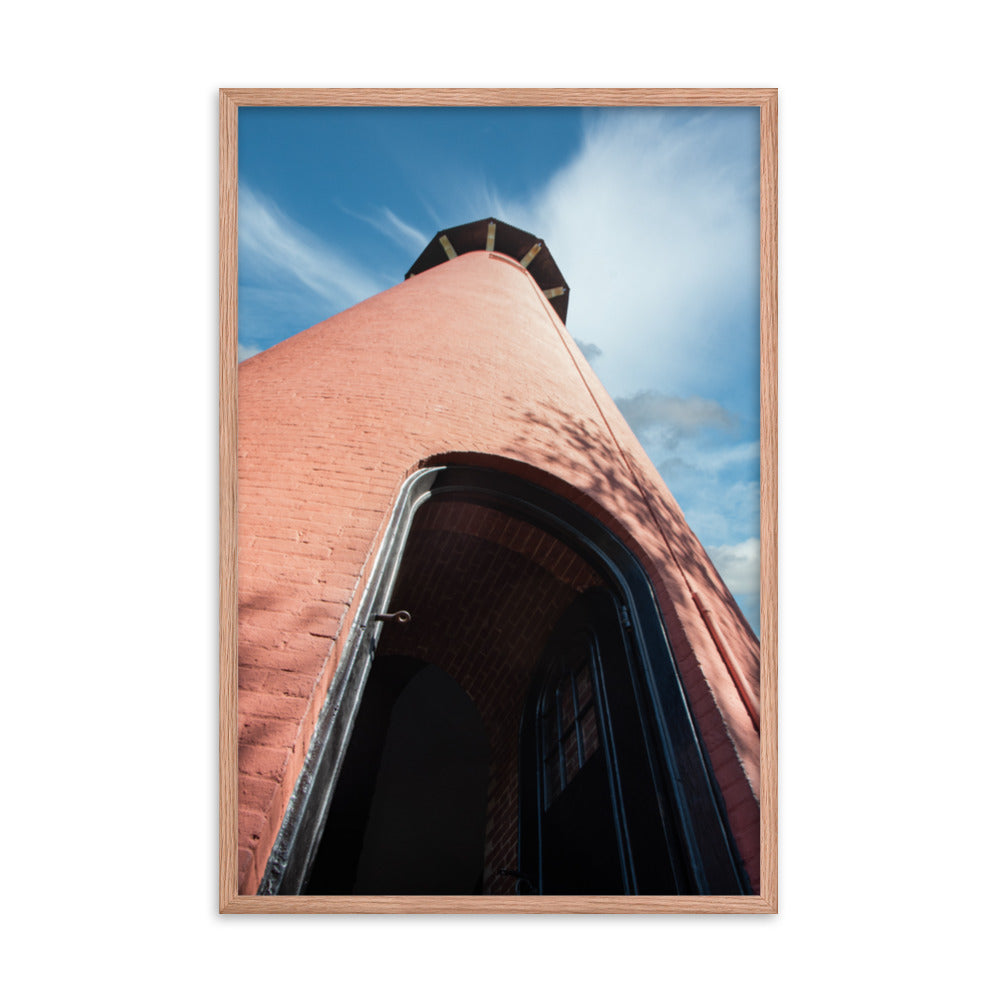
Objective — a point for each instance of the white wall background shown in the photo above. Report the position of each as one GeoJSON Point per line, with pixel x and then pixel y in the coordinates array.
{"type": "Point", "coordinates": [889, 331]}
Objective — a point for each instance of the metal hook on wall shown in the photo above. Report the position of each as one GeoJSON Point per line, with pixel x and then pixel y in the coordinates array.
{"type": "Point", "coordinates": [393, 616]}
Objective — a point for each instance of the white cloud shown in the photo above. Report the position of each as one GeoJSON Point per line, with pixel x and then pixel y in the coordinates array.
{"type": "Point", "coordinates": [739, 565]}
{"type": "Point", "coordinates": [717, 460]}
{"type": "Point", "coordinates": [273, 247]}
{"type": "Point", "coordinates": [404, 234]}
{"type": "Point", "coordinates": [389, 224]}
{"type": "Point", "coordinates": [654, 224]}
{"type": "Point", "coordinates": [674, 415]}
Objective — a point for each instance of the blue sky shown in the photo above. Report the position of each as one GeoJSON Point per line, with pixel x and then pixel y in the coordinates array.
{"type": "Point", "coordinates": [651, 214]}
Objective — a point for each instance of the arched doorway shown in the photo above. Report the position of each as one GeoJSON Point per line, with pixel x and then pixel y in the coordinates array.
{"type": "Point", "coordinates": [499, 575]}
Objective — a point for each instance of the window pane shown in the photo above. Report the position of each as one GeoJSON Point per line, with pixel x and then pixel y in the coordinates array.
{"type": "Point", "coordinates": [550, 734]}
{"type": "Point", "coordinates": [591, 738]}
{"type": "Point", "coordinates": [566, 714]}
{"type": "Point", "coordinates": [584, 692]}
{"type": "Point", "coordinates": [571, 755]}
{"type": "Point", "coordinates": [553, 785]}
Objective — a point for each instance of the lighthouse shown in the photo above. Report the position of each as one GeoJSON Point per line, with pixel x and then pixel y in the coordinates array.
{"type": "Point", "coordinates": [480, 649]}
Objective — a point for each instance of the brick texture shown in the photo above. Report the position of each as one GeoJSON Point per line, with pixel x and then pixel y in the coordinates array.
{"type": "Point", "coordinates": [466, 362]}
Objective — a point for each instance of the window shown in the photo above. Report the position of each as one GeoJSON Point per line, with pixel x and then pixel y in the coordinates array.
{"type": "Point", "coordinates": [567, 720]}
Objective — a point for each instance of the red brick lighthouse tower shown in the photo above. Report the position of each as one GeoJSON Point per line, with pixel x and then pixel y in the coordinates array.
{"type": "Point", "coordinates": [480, 649]}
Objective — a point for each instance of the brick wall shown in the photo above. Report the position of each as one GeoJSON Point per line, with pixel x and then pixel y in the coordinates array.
{"type": "Point", "coordinates": [467, 360]}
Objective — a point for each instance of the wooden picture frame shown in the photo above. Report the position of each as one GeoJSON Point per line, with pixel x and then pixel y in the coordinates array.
{"type": "Point", "coordinates": [231, 100]}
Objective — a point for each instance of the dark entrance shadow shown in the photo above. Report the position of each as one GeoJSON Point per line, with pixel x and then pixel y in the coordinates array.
{"type": "Point", "coordinates": [409, 813]}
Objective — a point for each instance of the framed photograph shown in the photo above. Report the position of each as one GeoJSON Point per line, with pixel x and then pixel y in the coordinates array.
{"type": "Point", "coordinates": [498, 525]}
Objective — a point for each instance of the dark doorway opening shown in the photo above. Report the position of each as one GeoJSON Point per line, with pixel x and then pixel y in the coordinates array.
{"type": "Point", "coordinates": [409, 813]}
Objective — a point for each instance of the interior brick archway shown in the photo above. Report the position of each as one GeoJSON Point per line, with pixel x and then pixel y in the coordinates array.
{"type": "Point", "coordinates": [485, 590]}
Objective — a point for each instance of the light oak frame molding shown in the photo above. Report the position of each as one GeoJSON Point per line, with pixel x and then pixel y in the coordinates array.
{"type": "Point", "coordinates": [230, 101]}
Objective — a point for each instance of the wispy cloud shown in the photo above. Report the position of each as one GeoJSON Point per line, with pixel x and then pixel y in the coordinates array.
{"type": "Point", "coordinates": [654, 223]}
{"type": "Point", "coordinates": [385, 221]}
{"type": "Point", "coordinates": [674, 415]}
{"type": "Point", "coordinates": [289, 278]}
{"type": "Point", "coordinates": [744, 455]}
{"type": "Point", "coordinates": [405, 235]}
{"type": "Point", "coordinates": [274, 248]}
